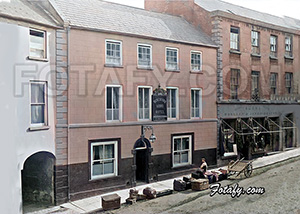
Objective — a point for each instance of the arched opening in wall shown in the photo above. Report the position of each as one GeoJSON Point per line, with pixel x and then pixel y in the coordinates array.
{"type": "Point", "coordinates": [142, 159]}
{"type": "Point", "coordinates": [38, 182]}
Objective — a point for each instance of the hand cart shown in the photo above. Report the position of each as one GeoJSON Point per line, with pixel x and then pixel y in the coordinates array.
{"type": "Point", "coordinates": [239, 166]}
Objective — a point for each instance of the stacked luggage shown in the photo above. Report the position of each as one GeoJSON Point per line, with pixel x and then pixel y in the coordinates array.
{"type": "Point", "coordinates": [199, 180]}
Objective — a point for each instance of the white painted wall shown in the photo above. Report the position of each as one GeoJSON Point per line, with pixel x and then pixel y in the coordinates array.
{"type": "Point", "coordinates": [17, 144]}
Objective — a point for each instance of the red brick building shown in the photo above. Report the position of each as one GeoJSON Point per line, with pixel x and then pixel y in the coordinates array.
{"type": "Point", "coordinates": [258, 72]}
{"type": "Point", "coordinates": [115, 57]}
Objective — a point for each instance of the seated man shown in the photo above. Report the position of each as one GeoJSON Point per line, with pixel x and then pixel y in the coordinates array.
{"type": "Point", "coordinates": [203, 166]}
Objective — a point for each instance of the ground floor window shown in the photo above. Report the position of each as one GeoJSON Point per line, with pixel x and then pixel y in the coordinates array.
{"type": "Point", "coordinates": [182, 150]}
{"type": "Point", "coordinates": [103, 159]}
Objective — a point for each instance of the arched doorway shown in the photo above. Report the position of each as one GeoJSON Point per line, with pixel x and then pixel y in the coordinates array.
{"type": "Point", "coordinates": [38, 181]}
{"type": "Point", "coordinates": [142, 161]}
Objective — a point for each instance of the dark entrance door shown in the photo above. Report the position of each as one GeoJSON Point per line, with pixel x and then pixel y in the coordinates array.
{"type": "Point", "coordinates": [141, 165]}
{"type": "Point", "coordinates": [142, 161]}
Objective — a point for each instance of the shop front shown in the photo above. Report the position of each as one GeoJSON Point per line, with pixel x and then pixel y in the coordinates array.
{"type": "Point", "coordinates": [254, 130]}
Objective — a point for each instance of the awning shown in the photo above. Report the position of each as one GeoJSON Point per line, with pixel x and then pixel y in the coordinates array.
{"type": "Point", "coordinates": [263, 129]}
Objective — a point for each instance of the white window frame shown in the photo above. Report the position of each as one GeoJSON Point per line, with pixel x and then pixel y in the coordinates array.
{"type": "Point", "coordinates": [196, 52]}
{"type": "Point", "coordinates": [177, 103]}
{"type": "Point", "coordinates": [273, 45]}
{"type": "Point", "coordinates": [35, 125]}
{"type": "Point", "coordinates": [289, 82]}
{"type": "Point", "coordinates": [45, 44]}
{"type": "Point", "coordinates": [150, 103]}
{"type": "Point", "coordinates": [273, 87]}
{"type": "Point", "coordinates": [177, 57]}
{"type": "Point", "coordinates": [235, 39]}
{"type": "Point", "coordinates": [148, 46]}
{"type": "Point", "coordinates": [121, 52]}
{"type": "Point", "coordinates": [120, 103]}
{"type": "Point", "coordinates": [288, 42]}
{"type": "Point", "coordinates": [200, 104]}
{"type": "Point", "coordinates": [115, 143]}
{"type": "Point", "coordinates": [189, 151]}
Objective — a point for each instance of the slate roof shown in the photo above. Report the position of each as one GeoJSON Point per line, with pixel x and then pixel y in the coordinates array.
{"type": "Point", "coordinates": [112, 17]}
{"type": "Point", "coordinates": [214, 5]}
{"type": "Point", "coordinates": [20, 9]}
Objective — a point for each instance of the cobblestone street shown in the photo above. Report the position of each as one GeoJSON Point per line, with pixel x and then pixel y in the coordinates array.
{"type": "Point", "coordinates": [282, 193]}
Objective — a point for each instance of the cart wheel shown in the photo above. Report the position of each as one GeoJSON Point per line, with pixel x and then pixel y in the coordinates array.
{"type": "Point", "coordinates": [248, 170]}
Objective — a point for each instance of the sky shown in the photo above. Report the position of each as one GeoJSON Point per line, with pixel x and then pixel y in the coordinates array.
{"type": "Point", "coordinates": [275, 7]}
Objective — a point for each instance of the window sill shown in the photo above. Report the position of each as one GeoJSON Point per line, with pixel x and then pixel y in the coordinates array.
{"type": "Point", "coordinates": [235, 52]}
{"type": "Point", "coordinates": [145, 68]}
{"type": "Point", "coordinates": [196, 72]}
{"type": "Point", "coordinates": [37, 59]}
{"type": "Point", "coordinates": [289, 57]}
{"type": "Point", "coordinates": [256, 55]}
{"type": "Point", "coordinates": [171, 70]}
{"type": "Point", "coordinates": [113, 66]}
{"type": "Point", "coordinates": [104, 178]}
{"type": "Point", "coordinates": [273, 58]}
{"type": "Point", "coordinates": [38, 128]}
{"type": "Point", "coordinates": [181, 166]}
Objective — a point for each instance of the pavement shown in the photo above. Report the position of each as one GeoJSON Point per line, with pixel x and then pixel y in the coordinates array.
{"type": "Point", "coordinates": [93, 204]}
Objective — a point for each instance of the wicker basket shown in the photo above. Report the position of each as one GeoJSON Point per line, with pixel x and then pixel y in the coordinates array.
{"type": "Point", "coordinates": [200, 184]}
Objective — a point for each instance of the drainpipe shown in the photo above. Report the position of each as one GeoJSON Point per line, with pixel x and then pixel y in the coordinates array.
{"type": "Point", "coordinates": [68, 106]}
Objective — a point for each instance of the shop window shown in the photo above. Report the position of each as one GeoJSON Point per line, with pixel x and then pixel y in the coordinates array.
{"type": "Point", "coordinates": [230, 147]}
{"type": "Point", "coordinates": [182, 150]}
{"type": "Point", "coordinates": [104, 159]}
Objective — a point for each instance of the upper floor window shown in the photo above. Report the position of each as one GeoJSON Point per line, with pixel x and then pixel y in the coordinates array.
{"type": "Point", "coordinates": [37, 44]}
{"type": "Point", "coordinates": [273, 46]}
{"type": "Point", "coordinates": [196, 102]}
{"type": "Point", "coordinates": [104, 159]}
{"type": "Point", "coordinates": [172, 59]}
{"type": "Point", "coordinates": [255, 42]}
{"type": "Point", "coordinates": [255, 85]}
{"type": "Point", "coordinates": [144, 56]}
{"type": "Point", "coordinates": [273, 83]}
{"type": "Point", "coordinates": [113, 103]}
{"type": "Point", "coordinates": [196, 61]}
{"type": "Point", "coordinates": [144, 102]}
{"type": "Point", "coordinates": [172, 103]}
{"type": "Point", "coordinates": [38, 103]}
{"type": "Point", "coordinates": [288, 46]}
{"type": "Point", "coordinates": [234, 38]}
{"type": "Point", "coordinates": [234, 83]}
{"type": "Point", "coordinates": [289, 83]}
{"type": "Point", "coordinates": [113, 53]}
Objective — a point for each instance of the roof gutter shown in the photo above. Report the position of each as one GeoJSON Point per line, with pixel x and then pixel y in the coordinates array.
{"type": "Point", "coordinates": [253, 22]}
{"type": "Point", "coordinates": [29, 21]}
{"type": "Point", "coordinates": [143, 36]}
